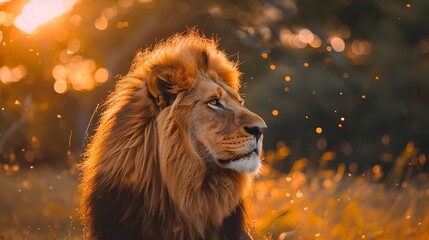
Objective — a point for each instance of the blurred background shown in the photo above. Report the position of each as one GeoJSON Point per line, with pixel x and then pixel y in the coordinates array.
{"type": "Point", "coordinates": [342, 84]}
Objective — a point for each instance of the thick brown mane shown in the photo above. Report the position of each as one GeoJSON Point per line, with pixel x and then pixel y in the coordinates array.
{"type": "Point", "coordinates": [140, 170]}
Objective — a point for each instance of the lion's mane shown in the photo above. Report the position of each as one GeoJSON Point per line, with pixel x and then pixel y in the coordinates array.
{"type": "Point", "coordinates": [141, 179]}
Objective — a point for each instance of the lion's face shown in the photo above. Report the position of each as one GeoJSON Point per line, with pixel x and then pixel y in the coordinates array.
{"type": "Point", "coordinates": [223, 131]}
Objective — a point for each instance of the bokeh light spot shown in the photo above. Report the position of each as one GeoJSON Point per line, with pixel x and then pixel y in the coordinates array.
{"type": "Point", "coordinates": [101, 75]}
{"type": "Point", "coordinates": [101, 23]}
{"type": "Point", "coordinates": [60, 86]}
{"type": "Point", "coordinates": [338, 44]}
{"type": "Point", "coordinates": [275, 112]}
{"type": "Point", "coordinates": [11, 75]}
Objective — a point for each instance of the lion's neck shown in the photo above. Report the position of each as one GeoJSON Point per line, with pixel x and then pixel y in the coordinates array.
{"type": "Point", "coordinates": [202, 197]}
{"type": "Point", "coordinates": [202, 203]}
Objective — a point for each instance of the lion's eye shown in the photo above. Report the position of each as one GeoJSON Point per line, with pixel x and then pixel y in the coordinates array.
{"type": "Point", "coordinates": [215, 104]}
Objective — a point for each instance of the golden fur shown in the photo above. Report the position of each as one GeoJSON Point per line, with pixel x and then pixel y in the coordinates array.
{"type": "Point", "coordinates": [149, 144]}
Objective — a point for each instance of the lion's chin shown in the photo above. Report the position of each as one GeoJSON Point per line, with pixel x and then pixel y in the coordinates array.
{"type": "Point", "coordinates": [248, 164]}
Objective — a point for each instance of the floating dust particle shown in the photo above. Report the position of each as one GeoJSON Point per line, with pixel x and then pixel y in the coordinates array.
{"type": "Point", "coordinates": [272, 67]}
{"type": "Point", "coordinates": [287, 78]}
{"type": "Point", "coordinates": [319, 130]}
{"type": "Point", "coordinates": [306, 64]}
{"type": "Point", "coordinates": [264, 55]}
{"type": "Point", "coordinates": [275, 112]}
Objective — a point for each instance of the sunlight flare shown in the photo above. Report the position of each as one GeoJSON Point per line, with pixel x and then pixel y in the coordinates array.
{"type": "Point", "coordinates": [38, 12]}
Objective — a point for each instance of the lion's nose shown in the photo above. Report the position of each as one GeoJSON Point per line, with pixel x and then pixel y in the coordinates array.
{"type": "Point", "coordinates": [256, 129]}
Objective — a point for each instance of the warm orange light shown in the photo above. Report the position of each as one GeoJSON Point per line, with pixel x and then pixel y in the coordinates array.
{"type": "Point", "coordinates": [101, 23]}
{"type": "Point", "coordinates": [338, 44]}
{"type": "Point", "coordinates": [101, 75]}
{"type": "Point", "coordinates": [275, 112]}
{"type": "Point", "coordinates": [38, 12]}
{"type": "Point", "coordinates": [319, 130]}
{"type": "Point", "coordinates": [287, 78]}
{"type": "Point", "coordinates": [306, 36]}
{"type": "Point", "coordinates": [60, 86]}
{"type": "Point", "coordinates": [361, 47]}
{"type": "Point", "coordinates": [316, 43]}
{"type": "Point", "coordinates": [11, 75]}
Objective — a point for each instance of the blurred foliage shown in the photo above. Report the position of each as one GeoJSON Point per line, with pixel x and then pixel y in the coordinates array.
{"type": "Point", "coordinates": [356, 71]}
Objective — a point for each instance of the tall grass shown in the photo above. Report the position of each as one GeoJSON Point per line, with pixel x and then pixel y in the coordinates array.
{"type": "Point", "coordinates": [302, 204]}
{"type": "Point", "coordinates": [329, 204]}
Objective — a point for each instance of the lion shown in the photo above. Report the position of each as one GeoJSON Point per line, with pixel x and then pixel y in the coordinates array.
{"type": "Point", "coordinates": [175, 150]}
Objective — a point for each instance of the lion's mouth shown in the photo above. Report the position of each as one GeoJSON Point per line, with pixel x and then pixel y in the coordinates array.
{"type": "Point", "coordinates": [226, 161]}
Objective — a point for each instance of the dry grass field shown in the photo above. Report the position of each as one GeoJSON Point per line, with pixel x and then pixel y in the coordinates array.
{"type": "Point", "coordinates": [303, 204]}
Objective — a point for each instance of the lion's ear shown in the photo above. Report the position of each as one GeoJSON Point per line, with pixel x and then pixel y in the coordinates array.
{"type": "Point", "coordinates": [159, 85]}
